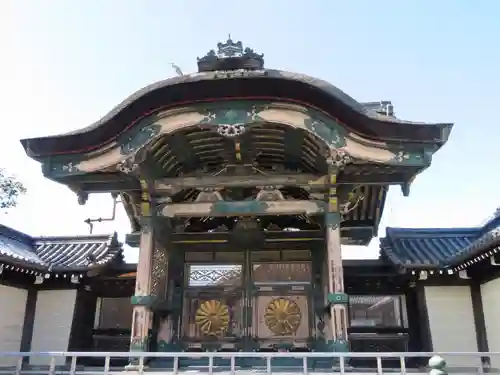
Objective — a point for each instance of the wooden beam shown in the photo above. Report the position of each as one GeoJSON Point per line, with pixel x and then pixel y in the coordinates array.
{"type": "Point", "coordinates": [112, 182]}
{"type": "Point", "coordinates": [243, 208]}
{"type": "Point", "coordinates": [132, 239]}
{"type": "Point", "coordinates": [270, 236]}
{"type": "Point", "coordinates": [357, 224]}
{"type": "Point", "coordinates": [312, 182]}
{"type": "Point", "coordinates": [111, 187]}
{"type": "Point", "coordinates": [172, 185]}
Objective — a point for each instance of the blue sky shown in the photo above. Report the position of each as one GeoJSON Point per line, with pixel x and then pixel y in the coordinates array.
{"type": "Point", "coordinates": [65, 63]}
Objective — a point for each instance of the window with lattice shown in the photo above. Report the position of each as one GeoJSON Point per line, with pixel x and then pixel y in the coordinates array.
{"type": "Point", "coordinates": [377, 311]}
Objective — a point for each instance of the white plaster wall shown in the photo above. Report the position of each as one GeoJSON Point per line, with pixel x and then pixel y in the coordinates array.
{"type": "Point", "coordinates": [12, 310]}
{"type": "Point", "coordinates": [451, 322]}
{"type": "Point", "coordinates": [53, 320]}
{"type": "Point", "coordinates": [490, 295]}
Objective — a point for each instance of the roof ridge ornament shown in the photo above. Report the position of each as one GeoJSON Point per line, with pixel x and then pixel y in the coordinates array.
{"type": "Point", "coordinates": [230, 55]}
{"type": "Point", "coordinates": [230, 48]}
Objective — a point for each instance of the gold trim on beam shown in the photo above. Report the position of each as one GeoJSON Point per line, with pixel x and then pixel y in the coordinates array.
{"type": "Point", "coordinates": [128, 275]}
{"type": "Point", "coordinates": [201, 241]}
{"type": "Point", "coordinates": [145, 199]}
{"type": "Point", "coordinates": [173, 185]}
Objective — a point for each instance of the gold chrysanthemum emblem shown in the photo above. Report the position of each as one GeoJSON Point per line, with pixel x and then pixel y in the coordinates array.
{"type": "Point", "coordinates": [212, 317]}
{"type": "Point", "coordinates": [283, 316]}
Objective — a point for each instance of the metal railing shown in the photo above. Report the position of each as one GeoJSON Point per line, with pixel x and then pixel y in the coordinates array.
{"type": "Point", "coordinates": [436, 364]}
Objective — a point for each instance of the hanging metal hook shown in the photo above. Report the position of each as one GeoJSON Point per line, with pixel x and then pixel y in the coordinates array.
{"type": "Point", "coordinates": [90, 222]}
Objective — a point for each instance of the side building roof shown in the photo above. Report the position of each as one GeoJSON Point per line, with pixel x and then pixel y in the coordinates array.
{"type": "Point", "coordinates": [441, 248]}
{"type": "Point", "coordinates": [58, 254]}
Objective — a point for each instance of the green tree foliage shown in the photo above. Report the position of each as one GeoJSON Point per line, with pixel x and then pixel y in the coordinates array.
{"type": "Point", "coordinates": [10, 190]}
{"type": "Point", "coordinates": [497, 212]}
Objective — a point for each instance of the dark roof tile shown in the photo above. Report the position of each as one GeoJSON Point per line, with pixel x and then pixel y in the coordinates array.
{"type": "Point", "coordinates": [77, 252]}
{"type": "Point", "coordinates": [438, 247]}
{"type": "Point", "coordinates": [57, 253]}
{"type": "Point", "coordinates": [10, 247]}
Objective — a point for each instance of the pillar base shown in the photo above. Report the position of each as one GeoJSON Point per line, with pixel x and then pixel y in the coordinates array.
{"type": "Point", "coordinates": [137, 346]}
{"type": "Point", "coordinates": [165, 362]}
{"type": "Point", "coordinates": [331, 346]}
{"type": "Point", "coordinates": [164, 346]}
{"type": "Point", "coordinates": [337, 346]}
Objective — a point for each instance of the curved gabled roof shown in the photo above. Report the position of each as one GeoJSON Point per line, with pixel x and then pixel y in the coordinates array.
{"type": "Point", "coordinates": [244, 85]}
{"type": "Point", "coordinates": [57, 254]}
{"type": "Point", "coordinates": [448, 248]}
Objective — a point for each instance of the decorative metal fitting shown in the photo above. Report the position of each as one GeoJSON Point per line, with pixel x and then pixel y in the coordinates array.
{"type": "Point", "coordinates": [231, 131]}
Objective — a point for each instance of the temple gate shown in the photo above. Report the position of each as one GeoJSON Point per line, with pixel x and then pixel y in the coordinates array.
{"type": "Point", "coordinates": [242, 184]}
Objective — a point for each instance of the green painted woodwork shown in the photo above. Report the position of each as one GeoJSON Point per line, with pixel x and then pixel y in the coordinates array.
{"type": "Point", "coordinates": [332, 220]}
{"type": "Point", "coordinates": [337, 298]}
{"type": "Point", "coordinates": [139, 344]}
{"type": "Point", "coordinates": [235, 117]}
{"type": "Point", "coordinates": [244, 208]}
{"type": "Point", "coordinates": [154, 303]}
{"type": "Point", "coordinates": [147, 301]}
{"type": "Point", "coordinates": [138, 136]}
{"type": "Point", "coordinates": [60, 166]}
{"type": "Point", "coordinates": [239, 113]}
{"type": "Point", "coordinates": [133, 239]}
{"type": "Point", "coordinates": [164, 346]}
{"type": "Point", "coordinates": [63, 165]}
{"type": "Point", "coordinates": [411, 158]}
{"type": "Point", "coordinates": [147, 224]}
{"type": "Point", "coordinates": [330, 346]}
{"type": "Point", "coordinates": [338, 346]}
{"type": "Point", "coordinates": [333, 346]}
{"type": "Point", "coordinates": [246, 113]}
{"type": "Point", "coordinates": [241, 208]}
{"type": "Point", "coordinates": [332, 133]}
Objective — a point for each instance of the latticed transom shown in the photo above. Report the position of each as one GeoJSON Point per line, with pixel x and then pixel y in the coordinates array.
{"type": "Point", "coordinates": [214, 275]}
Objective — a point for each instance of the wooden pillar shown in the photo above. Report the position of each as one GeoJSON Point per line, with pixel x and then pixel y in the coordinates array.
{"type": "Point", "coordinates": [337, 299]}
{"type": "Point", "coordinates": [162, 331]}
{"type": "Point", "coordinates": [142, 299]}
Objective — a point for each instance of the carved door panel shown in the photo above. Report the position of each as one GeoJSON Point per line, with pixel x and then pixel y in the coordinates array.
{"type": "Point", "coordinates": [281, 307]}
{"type": "Point", "coordinates": [281, 316]}
{"type": "Point", "coordinates": [213, 306]}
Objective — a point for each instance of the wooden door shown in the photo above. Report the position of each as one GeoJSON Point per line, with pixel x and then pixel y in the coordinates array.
{"type": "Point", "coordinates": [281, 304]}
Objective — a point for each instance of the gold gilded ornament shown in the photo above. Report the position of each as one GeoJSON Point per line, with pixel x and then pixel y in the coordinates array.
{"type": "Point", "coordinates": [282, 316]}
{"type": "Point", "coordinates": [212, 317]}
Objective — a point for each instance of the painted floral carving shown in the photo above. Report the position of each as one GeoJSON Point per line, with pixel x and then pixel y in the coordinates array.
{"type": "Point", "coordinates": [283, 316]}
{"type": "Point", "coordinates": [212, 318]}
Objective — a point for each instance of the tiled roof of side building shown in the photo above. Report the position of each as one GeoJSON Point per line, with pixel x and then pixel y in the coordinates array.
{"type": "Point", "coordinates": [57, 254]}
{"type": "Point", "coordinates": [439, 247]}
